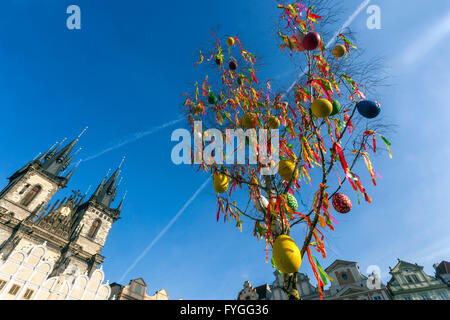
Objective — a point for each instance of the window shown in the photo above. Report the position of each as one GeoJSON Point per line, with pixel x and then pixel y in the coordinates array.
{"type": "Point", "coordinates": [442, 294]}
{"type": "Point", "coordinates": [344, 276]}
{"type": "Point", "coordinates": [377, 298]}
{"type": "Point", "coordinates": [408, 298]}
{"type": "Point", "coordinates": [409, 279]}
{"type": "Point", "coordinates": [14, 289]}
{"type": "Point", "coordinates": [415, 278]}
{"type": "Point", "coordinates": [30, 195]}
{"type": "Point", "coordinates": [425, 297]}
{"type": "Point", "coordinates": [28, 294]}
{"type": "Point", "coordinates": [138, 289]}
{"type": "Point", "coordinates": [2, 284]}
{"type": "Point", "coordinates": [25, 187]}
{"type": "Point", "coordinates": [94, 228]}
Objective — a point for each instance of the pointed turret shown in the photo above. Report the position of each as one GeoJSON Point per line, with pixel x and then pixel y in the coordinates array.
{"type": "Point", "coordinates": [106, 191]}
{"type": "Point", "coordinates": [119, 208]}
{"type": "Point", "coordinates": [100, 186]}
{"type": "Point", "coordinates": [57, 160]}
{"type": "Point", "coordinates": [41, 157]}
{"type": "Point", "coordinates": [69, 175]}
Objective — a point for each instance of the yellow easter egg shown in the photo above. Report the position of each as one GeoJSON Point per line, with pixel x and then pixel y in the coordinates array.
{"type": "Point", "coordinates": [286, 169]}
{"type": "Point", "coordinates": [248, 121]}
{"type": "Point", "coordinates": [220, 183]}
{"type": "Point", "coordinates": [339, 51]}
{"type": "Point", "coordinates": [321, 108]}
{"type": "Point", "coordinates": [286, 254]}
{"type": "Point", "coordinates": [230, 41]}
{"type": "Point", "coordinates": [273, 122]}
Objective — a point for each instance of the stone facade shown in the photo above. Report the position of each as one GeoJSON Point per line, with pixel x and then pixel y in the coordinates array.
{"type": "Point", "coordinates": [135, 290]}
{"type": "Point", "coordinates": [410, 282]}
{"type": "Point", "coordinates": [25, 275]}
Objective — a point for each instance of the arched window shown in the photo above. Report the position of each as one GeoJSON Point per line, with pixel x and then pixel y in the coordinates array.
{"type": "Point", "coordinates": [25, 187]}
{"type": "Point", "coordinates": [31, 195]}
{"type": "Point", "coordinates": [94, 228]}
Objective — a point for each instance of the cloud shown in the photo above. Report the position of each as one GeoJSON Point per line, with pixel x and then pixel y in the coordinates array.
{"type": "Point", "coordinates": [427, 41]}
{"type": "Point", "coordinates": [132, 138]}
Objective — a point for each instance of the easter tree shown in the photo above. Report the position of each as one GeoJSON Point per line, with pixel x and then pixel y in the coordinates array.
{"type": "Point", "coordinates": [311, 139]}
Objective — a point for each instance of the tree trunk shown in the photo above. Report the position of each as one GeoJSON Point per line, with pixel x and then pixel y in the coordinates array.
{"type": "Point", "coordinates": [289, 280]}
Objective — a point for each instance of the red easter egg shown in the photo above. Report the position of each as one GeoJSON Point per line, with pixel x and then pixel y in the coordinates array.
{"type": "Point", "coordinates": [311, 41]}
{"type": "Point", "coordinates": [341, 203]}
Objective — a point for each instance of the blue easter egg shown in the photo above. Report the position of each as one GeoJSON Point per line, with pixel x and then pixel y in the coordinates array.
{"type": "Point", "coordinates": [368, 109]}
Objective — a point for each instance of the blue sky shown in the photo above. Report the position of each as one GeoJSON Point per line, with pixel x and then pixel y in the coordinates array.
{"type": "Point", "coordinates": [124, 74]}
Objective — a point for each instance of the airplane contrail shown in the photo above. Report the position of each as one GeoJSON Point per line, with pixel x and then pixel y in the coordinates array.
{"type": "Point", "coordinates": [167, 227]}
{"type": "Point", "coordinates": [333, 39]}
{"type": "Point", "coordinates": [426, 42]}
{"type": "Point", "coordinates": [132, 138]}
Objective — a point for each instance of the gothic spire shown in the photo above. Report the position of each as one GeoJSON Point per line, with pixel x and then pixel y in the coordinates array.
{"type": "Point", "coordinates": [119, 208]}
{"type": "Point", "coordinates": [58, 159]}
{"type": "Point", "coordinates": [41, 157]}
{"type": "Point", "coordinates": [100, 186]}
{"type": "Point", "coordinates": [69, 175]}
{"type": "Point", "coordinates": [106, 191]}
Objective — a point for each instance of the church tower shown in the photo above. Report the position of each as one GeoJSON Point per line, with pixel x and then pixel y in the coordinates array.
{"type": "Point", "coordinates": [32, 187]}
{"type": "Point", "coordinates": [74, 229]}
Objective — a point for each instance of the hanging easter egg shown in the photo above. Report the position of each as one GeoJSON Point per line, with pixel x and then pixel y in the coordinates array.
{"type": "Point", "coordinates": [230, 41]}
{"type": "Point", "coordinates": [336, 107]}
{"type": "Point", "coordinates": [339, 51]}
{"type": "Point", "coordinates": [286, 169]}
{"type": "Point", "coordinates": [220, 183]}
{"type": "Point", "coordinates": [286, 254]}
{"type": "Point", "coordinates": [321, 108]}
{"type": "Point", "coordinates": [233, 65]}
{"type": "Point", "coordinates": [273, 123]}
{"type": "Point", "coordinates": [212, 99]}
{"type": "Point", "coordinates": [292, 202]}
{"type": "Point", "coordinates": [219, 61]}
{"type": "Point", "coordinates": [368, 109]}
{"type": "Point", "coordinates": [341, 203]}
{"type": "Point", "coordinates": [311, 41]}
{"type": "Point", "coordinates": [261, 204]}
{"type": "Point", "coordinates": [248, 121]}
